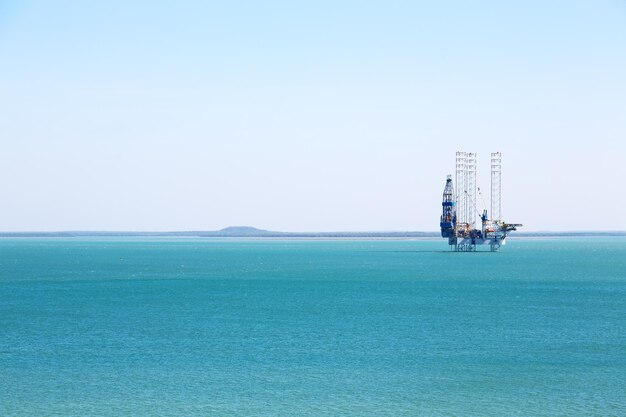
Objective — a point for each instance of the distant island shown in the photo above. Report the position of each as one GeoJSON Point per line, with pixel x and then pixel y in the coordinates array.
{"type": "Point", "coordinates": [252, 232]}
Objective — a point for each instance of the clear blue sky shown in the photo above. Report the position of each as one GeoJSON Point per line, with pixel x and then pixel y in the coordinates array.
{"type": "Point", "coordinates": [324, 115]}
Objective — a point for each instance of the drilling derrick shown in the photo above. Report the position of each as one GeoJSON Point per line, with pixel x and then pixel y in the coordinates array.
{"type": "Point", "coordinates": [448, 215]}
{"type": "Point", "coordinates": [458, 217]}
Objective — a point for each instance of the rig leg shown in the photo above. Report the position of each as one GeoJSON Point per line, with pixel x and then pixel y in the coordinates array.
{"type": "Point", "coordinates": [464, 247]}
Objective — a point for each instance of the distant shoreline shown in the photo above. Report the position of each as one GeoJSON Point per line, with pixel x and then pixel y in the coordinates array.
{"type": "Point", "coordinates": [257, 233]}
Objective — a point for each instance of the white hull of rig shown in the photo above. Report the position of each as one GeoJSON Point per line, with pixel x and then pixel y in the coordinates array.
{"type": "Point", "coordinates": [459, 211]}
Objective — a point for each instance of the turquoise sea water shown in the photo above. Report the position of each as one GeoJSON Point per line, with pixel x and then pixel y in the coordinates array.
{"type": "Point", "coordinates": [311, 328]}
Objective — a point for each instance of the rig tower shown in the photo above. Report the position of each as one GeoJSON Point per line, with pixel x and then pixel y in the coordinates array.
{"type": "Point", "coordinates": [496, 185]}
{"type": "Point", "coordinates": [459, 210]}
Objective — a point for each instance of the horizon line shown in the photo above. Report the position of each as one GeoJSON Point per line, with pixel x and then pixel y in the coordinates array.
{"type": "Point", "coordinates": [253, 230]}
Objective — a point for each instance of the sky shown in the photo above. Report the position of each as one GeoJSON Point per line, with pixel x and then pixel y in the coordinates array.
{"type": "Point", "coordinates": [308, 116]}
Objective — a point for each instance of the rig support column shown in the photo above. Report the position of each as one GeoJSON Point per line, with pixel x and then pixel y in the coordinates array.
{"type": "Point", "coordinates": [496, 186]}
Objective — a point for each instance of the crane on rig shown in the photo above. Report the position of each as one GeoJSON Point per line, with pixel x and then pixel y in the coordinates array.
{"type": "Point", "coordinates": [457, 221]}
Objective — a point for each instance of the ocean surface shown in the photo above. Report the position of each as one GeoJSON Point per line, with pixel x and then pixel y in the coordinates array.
{"type": "Point", "coordinates": [177, 327]}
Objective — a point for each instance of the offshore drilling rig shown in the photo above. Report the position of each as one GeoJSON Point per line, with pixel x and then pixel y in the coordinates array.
{"type": "Point", "coordinates": [459, 210]}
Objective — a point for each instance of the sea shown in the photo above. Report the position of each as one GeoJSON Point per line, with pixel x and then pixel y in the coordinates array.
{"type": "Point", "coordinates": [270, 327]}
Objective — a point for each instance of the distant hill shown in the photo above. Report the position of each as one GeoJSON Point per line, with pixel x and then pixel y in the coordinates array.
{"type": "Point", "coordinates": [241, 231]}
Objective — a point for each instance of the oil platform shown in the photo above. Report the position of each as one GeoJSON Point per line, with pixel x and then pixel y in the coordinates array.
{"type": "Point", "coordinates": [459, 210]}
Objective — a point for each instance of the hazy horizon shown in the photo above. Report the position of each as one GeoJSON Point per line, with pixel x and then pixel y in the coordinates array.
{"type": "Point", "coordinates": [260, 229]}
{"type": "Point", "coordinates": [307, 117]}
